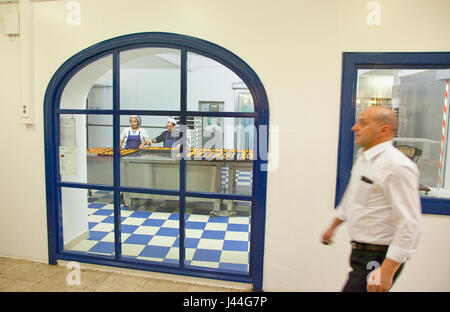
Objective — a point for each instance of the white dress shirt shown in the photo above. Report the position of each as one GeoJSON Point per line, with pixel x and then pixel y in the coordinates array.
{"type": "Point", "coordinates": [384, 210]}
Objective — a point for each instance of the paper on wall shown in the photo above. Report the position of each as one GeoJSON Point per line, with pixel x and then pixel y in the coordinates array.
{"type": "Point", "coordinates": [68, 160]}
{"type": "Point", "coordinates": [68, 132]}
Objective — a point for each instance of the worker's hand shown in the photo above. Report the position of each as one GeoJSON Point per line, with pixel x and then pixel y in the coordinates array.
{"type": "Point", "coordinates": [327, 236]}
{"type": "Point", "coordinates": [379, 280]}
{"type": "Point", "coordinates": [149, 143]}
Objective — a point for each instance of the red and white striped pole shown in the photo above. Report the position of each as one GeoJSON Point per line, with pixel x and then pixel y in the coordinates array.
{"type": "Point", "coordinates": [444, 132]}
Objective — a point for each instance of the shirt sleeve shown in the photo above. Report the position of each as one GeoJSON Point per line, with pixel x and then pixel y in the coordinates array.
{"type": "Point", "coordinates": [402, 186]}
{"type": "Point", "coordinates": [144, 135]}
{"type": "Point", "coordinates": [340, 210]}
{"type": "Point", "coordinates": [124, 134]}
{"type": "Point", "coordinates": [160, 137]}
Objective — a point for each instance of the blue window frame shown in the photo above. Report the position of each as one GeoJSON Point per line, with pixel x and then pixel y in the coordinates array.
{"type": "Point", "coordinates": [352, 62]}
{"type": "Point", "coordinates": [52, 111]}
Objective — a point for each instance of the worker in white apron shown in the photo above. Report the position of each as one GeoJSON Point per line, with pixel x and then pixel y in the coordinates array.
{"type": "Point", "coordinates": [134, 136]}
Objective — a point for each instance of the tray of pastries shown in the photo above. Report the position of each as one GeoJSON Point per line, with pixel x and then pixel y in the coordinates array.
{"type": "Point", "coordinates": [123, 152]}
{"type": "Point", "coordinates": [97, 150]}
{"type": "Point", "coordinates": [218, 154]}
{"type": "Point", "coordinates": [108, 151]}
{"type": "Point", "coordinates": [191, 153]}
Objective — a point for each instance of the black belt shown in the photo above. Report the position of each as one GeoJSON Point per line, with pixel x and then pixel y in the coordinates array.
{"type": "Point", "coordinates": [369, 247]}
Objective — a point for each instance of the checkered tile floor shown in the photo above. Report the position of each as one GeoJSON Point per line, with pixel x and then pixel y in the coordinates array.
{"type": "Point", "coordinates": [213, 242]}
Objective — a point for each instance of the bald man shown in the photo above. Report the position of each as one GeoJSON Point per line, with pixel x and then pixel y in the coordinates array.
{"type": "Point", "coordinates": [381, 205]}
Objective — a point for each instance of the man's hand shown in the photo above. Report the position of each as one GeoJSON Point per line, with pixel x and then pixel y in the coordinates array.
{"type": "Point", "coordinates": [380, 279]}
{"type": "Point", "coordinates": [328, 235]}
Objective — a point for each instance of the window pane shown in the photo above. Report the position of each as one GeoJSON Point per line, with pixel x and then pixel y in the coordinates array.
{"type": "Point", "coordinates": [150, 166]}
{"type": "Point", "coordinates": [417, 97]}
{"type": "Point", "coordinates": [150, 227]}
{"type": "Point", "coordinates": [209, 81]}
{"type": "Point", "coordinates": [150, 79]}
{"type": "Point", "coordinates": [85, 141]}
{"type": "Point", "coordinates": [88, 221]}
{"type": "Point", "coordinates": [90, 88]}
{"type": "Point", "coordinates": [220, 155]}
{"type": "Point", "coordinates": [221, 241]}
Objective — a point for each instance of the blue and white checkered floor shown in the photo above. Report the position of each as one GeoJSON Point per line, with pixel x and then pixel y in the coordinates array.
{"type": "Point", "coordinates": [213, 242]}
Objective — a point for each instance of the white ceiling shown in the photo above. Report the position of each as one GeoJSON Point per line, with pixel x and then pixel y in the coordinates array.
{"type": "Point", "coordinates": [389, 72]}
{"type": "Point", "coordinates": [164, 58]}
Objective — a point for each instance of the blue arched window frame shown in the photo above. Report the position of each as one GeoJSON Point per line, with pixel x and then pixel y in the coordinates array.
{"type": "Point", "coordinates": [51, 131]}
{"type": "Point", "coordinates": [351, 62]}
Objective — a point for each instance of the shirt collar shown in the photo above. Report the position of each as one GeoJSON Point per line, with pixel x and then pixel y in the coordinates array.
{"type": "Point", "coordinates": [375, 150]}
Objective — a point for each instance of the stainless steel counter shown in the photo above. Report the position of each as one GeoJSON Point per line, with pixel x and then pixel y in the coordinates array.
{"type": "Point", "coordinates": [161, 171]}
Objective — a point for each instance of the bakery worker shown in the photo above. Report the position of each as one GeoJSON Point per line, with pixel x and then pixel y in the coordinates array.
{"type": "Point", "coordinates": [169, 136]}
{"type": "Point", "coordinates": [134, 136]}
{"type": "Point", "coordinates": [381, 205]}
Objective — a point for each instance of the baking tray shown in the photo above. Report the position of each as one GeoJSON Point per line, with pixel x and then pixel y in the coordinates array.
{"type": "Point", "coordinates": [123, 152]}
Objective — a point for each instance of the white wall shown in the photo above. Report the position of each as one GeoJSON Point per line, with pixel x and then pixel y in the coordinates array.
{"type": "Point", "coordinates": [214, 84]}
{"type": "Point", "coordinates": [151, 88]}
{"type": "Point", "coordinates": [74, 202]}
{"type": "Point", "coordinates": [295, 47]}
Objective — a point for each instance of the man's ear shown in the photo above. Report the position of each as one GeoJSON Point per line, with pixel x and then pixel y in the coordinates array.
{"type": "Point", "coordinates": [386, 129]}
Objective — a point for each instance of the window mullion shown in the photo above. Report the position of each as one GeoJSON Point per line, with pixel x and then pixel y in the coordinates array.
{"type": "Point", "coordinates": [183, 109]}
{"type": "Point", "coordinates": [116, 154]}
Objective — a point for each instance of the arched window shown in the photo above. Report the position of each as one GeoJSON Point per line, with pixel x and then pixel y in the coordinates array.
{"type": "Point", "coordinates": [152, 158]}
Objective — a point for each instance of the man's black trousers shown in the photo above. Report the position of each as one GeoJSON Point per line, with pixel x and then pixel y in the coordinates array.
{"type": "Point", "coordinates": [362, 263]}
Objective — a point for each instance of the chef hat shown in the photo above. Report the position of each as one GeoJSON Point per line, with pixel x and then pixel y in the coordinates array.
{"type": "Point", "coordinates": [137, 117]}
{"type": "Point", "coordinates": [172, 120]}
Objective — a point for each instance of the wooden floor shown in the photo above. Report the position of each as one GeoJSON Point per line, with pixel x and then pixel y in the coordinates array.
{"type": "Point", "coordinates": [18, 275]}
